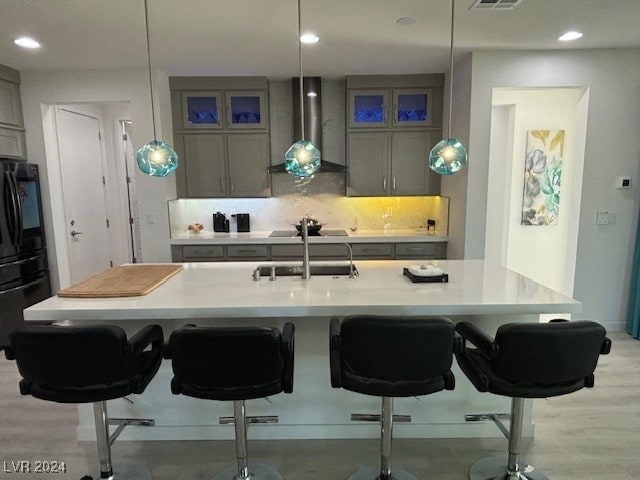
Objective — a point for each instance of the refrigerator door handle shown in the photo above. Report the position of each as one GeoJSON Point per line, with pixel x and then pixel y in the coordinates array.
{"type": "Point", "coordinates": [10, 201]}
{"type": "Point", "coordinates": [18, 203]}
{"type": "Point", "coordinates": [25, 286]}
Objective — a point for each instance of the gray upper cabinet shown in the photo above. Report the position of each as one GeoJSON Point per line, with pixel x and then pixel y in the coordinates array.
{"type": "Point", "coordinates": [221, 132]}
{"type": "Point", "coordinates": [393, 107]}
{"type": "Point", "coordinates": [368, 164]}
{"type": "Point", "coordinates": [247, 110]}
{"type": "Point", "coordinates": [410, 174]}
{"type": "Point", "coordinates": [390, 163]}
{"type": "Point", "coordinates": [248, 157]}
{"type": "Point", "coordinates": [202, 110]}
{"type": "Point", "coordinates": [412, 107]}
{"type": "Point", "coordinates": [204, 162]}
{"type": "Point", "coordinates": [12, 135]}
{"type": "Point", "coordinates": [10, 105]}
{"type": "Point", "coordinates": [368, 108]}
{"type": "Point", "coordinates": [220, 165]}
{"type": "Point", "coordinates": [392, 122]}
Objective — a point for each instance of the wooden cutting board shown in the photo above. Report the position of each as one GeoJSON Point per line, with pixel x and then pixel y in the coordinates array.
{"type": "Point", "coordinates": [123, 281]}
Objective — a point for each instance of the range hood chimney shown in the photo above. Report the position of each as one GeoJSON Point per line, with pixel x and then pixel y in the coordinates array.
{"type": "Point", "coordinates": [312, 91]}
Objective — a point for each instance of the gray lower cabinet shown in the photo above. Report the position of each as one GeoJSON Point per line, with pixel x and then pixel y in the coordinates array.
{"type": "Point", "coordinates": [324, 251]}
{"type": "Point", "coordinates": [372, 250]}
{"type": "Point", "coordinates": [436, 250]}
{"type": "Point", "coordinates": [390, 163]}
{"type": "Point", "coordinates": [317, 251]}
{"type": "Point", "coordinates": [247, 252]}
{"type": "Point", "coordinates": [223, 165]}
{"type": "Point", "coordinates": [197, 253]}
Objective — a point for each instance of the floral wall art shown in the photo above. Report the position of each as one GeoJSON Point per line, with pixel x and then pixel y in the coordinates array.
{"type": "Point", "coordinates": [542, 174]}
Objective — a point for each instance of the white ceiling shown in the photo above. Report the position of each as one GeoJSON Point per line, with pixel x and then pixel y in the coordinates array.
{"type": "Point", "coordinates": [258, 37]}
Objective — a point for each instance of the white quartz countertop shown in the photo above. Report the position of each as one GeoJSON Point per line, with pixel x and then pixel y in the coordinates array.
{"type": "Point", "coordinates": [226, 290]}
{"type": "Point", "coordinates": [262, 237]}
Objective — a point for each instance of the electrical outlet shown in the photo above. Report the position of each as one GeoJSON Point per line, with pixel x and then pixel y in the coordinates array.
{"type": "Point", "coordinates": [602, 217]}
{"type": "Point", "coordinates": [389, 211]}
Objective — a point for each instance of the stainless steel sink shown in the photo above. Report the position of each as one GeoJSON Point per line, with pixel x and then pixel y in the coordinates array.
{"type": "Point", "coordinates": [292, 270]}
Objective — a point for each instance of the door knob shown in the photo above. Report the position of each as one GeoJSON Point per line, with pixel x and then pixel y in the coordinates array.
{"type": "Point", "coordinates": [74, 233]}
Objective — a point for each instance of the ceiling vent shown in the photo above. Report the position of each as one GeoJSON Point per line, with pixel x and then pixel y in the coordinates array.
{"type": "Point", "coordinates": [495, 4]}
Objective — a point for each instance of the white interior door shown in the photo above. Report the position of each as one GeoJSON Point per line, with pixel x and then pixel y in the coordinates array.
{"type": "Point", "coordinates": [80, 154]}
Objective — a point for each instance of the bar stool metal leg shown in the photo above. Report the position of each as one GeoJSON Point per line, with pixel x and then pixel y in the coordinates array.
{"type": "Point", "coordinates": [494, 468]}
{"type": "Point", "coordinates": [107, 470]}
{"type": "Point", "coordinates": [243, 470]}
{"type": "Point", "coordinates": [386, 443]}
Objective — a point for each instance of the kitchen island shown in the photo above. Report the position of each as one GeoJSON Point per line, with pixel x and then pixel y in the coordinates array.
{"type": "Point", "coordinates": [225, 294]}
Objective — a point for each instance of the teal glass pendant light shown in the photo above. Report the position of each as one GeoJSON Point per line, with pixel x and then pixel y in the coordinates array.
{"type": "Point", "coordinates": [449, 156]}
{"type": "Point", "coordinates": [156, 158]}
{"type": "Point", "coordinates": [302, 160]}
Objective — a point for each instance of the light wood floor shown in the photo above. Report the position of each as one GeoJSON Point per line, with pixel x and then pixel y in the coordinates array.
{"type": "Point", "coordinates": [593, 434]}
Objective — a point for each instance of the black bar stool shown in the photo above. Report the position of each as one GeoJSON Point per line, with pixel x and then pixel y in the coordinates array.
{"type": "Point", "coordinates": [527, 360]}
{"type": "Point", "coordinates": [89, 364]}
{"type": "Point", "coordinates": [390, 357]}
{"type": "Point", "coordinates": [238, 364]}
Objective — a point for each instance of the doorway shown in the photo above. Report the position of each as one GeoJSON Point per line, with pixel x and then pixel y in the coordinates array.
{"type": "Point", "coordinates": [86, 159]}
{"type": "Point", "coordinates": [544, 253]}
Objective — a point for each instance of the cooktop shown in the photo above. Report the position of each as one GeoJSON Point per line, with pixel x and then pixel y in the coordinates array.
{"type": "Point", "coordinates": [321, 233]}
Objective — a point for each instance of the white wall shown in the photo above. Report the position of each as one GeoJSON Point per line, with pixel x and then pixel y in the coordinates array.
{"type": "Point", "coordinates": [101, 86]}
{"type": "Point", "coordinates": [612, 149]}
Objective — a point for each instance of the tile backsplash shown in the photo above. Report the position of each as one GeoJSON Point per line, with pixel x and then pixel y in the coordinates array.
{"type": "Point", "coordinates": [336, 212]}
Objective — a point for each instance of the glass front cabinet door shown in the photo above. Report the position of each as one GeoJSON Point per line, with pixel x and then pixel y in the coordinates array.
{"type": "Point", "coordinates": [246, 110]}
{"type": "Point", "coordinates": [411, 108]}
{"type": "Point", "coordinates": [367, 108]}
{"type": "Point", "coordinates": [201, 110]}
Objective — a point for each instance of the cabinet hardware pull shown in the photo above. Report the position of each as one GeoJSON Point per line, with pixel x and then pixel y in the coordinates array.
{"type": "Point", "coordinates": [394, 183]}
{"type": "Point", "coordinates": [384, 182]}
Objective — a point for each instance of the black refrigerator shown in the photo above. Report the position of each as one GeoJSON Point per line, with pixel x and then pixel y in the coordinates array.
{"type": "Point", "coordinates": [24, 274]}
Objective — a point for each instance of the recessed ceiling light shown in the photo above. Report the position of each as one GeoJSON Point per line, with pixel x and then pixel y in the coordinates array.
{"type": "Point", "coordinates": [404, 21]}
{"type": "Point", "coordinates": [567, 37]}
{"type": "Point", "coordinates": [27, 42]}
{"type": "Point", "coordinates": [309, 38]}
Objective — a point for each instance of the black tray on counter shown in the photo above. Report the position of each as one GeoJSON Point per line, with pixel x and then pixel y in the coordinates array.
{"type": "Point", "coordinates": [444, 278]}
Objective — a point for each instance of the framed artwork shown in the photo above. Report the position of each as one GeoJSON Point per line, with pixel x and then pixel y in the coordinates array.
{"type": "Point", "coordinates": [542, 175]}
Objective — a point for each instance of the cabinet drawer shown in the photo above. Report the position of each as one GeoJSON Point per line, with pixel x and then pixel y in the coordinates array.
{"type": "Point", "coordinates": [247, 251]}
{"type": "Point", "coordinates": [419, 250]}
{"type": "Point", "coordinates": [294, 252]}
{"type": "Point", "coordinates": [365, 250]}
{"type": "Point", "coordinates": [203, 251]}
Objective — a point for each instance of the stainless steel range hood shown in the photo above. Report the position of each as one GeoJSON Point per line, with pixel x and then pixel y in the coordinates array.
{"type": "Point", "coordinates": [312, 91]}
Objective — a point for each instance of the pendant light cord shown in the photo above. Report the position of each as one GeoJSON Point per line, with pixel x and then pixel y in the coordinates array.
{"type": "Point", "coordinates": [146, 25]}
{"type": "Point", "coordinates": [301, 78]}
{"type": "Point", "coordinates": [453, 8]}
